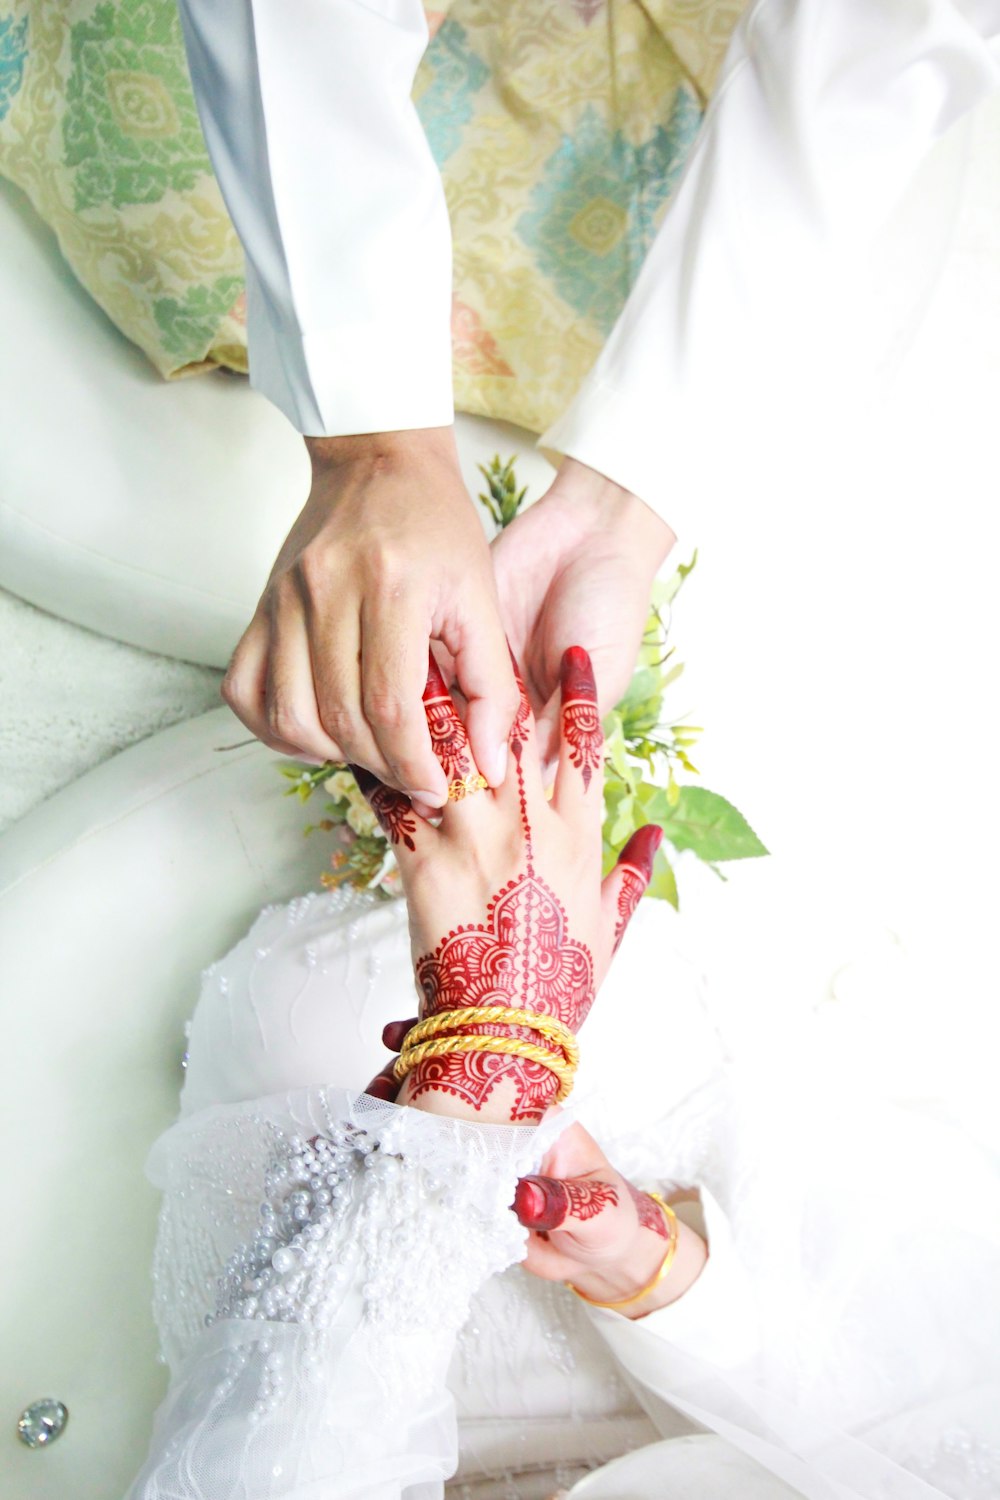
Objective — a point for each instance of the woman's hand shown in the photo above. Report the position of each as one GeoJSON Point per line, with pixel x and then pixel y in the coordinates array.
{"type": "Point", "coordinates": [592, 1228]}
{"type": "Point", "coordinates": [387, 554]}
{"type": "Point", "coordinates": [506, 902]}
{"type": "Point", "coordinates": [578, 565]}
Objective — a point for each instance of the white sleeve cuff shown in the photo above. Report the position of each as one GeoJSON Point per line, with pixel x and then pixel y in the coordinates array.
{"type": "Point", "coordinates": [611, 431]}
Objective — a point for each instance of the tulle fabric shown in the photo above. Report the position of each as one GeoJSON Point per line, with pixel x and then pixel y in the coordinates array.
{"type": "Point", "coordinates": [868, 1237]}
{"type": "Point", "coordinates": [844, 1336]}
{"type": "Point", "coordinates": [344, 1393]}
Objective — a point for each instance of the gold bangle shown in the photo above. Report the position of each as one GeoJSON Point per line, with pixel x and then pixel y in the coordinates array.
{"type": "Point", "coordinates": [665, 1264]}
{"type": "Point", "coordinates": [510, 1046]}
{"type": "Point", "coordinates": [493, 1015]}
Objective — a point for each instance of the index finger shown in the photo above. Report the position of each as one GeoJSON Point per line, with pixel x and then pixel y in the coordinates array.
{"type": "Point", "coordinates": [394, 647]}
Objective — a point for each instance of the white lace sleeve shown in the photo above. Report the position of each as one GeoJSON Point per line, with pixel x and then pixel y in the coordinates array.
{"type": "Point", "coordinates": [317, 1255]}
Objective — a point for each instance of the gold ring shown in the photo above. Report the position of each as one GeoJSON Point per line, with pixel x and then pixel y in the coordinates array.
{"type": "Point", "coordinates": [466, 785]}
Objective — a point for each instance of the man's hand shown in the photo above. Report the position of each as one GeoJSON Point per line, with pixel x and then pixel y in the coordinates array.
{"type": "Point", "coordinates": [386, 555]}
{"type": "Point", "coordinates": [578, 566]}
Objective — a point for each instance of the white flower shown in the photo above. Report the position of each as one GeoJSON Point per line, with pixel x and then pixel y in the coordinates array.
{"type": "Point", "coordinates": [387, 875]}
{"type": "Point", "coordinates": [360, 816]}
{"type": "Point", "coordinates": [341, 786]}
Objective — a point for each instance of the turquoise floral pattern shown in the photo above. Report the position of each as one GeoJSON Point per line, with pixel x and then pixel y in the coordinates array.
{"type": "Point", "coordinates": [190, 323]}
{"type": "Point", "coordinates": [446, 104]}
{"type": "Point", "coordinates": [130, 130]}
{"type": "Point", "coordinates": [13, 51]}
{"type": "Point", "coordinates": [594, 212]}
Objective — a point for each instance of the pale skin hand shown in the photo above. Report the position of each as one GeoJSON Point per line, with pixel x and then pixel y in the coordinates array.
{"type": "Point", "coordinates": [387, 554]}
{"type": "Point", "coordinates": [485, 844]}
{"type": "Point", "coordinates": [505, 899]}
{"type": "Point", "coordinates": [578, 565]}
{"type": "Point", "coordinates": [590, 1227]}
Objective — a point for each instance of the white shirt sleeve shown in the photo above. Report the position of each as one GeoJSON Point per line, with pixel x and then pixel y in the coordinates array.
{"type": "Point", "coordinates": [330, 182]}
{"type": "Point", "coordinates": [823, 114]}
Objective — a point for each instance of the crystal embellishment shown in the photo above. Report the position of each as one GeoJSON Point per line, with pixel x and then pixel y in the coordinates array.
{"type": "Point", "coordinates": [42, 1422]}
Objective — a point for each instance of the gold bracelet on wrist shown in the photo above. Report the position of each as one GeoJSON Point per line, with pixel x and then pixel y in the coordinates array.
{"type": "Point", "coordinates": [495, 1015]}
{"type": "Point", "coordinates": [510, 1046]}
{"type": "Point", "coordinates": [662, 1272]}
{"type": "Point", "coordinates": [424, 1040]}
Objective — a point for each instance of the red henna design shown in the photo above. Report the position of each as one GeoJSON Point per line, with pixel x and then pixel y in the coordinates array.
{"type": "Point", "coordinates": [521, 727]}
{"type": "Point", "coordinates": [546, 1203]}
{"type": "Point", "coordinates": [472, 1077]}
{"type": "Point", "coordinates": [448, 737]}
{"type": "Point", "coordinates": [636, 865]}
{"type": "Point", "coordinates": [395, 816]}
{"type": "Point", "coordinates": [581, 719]}
{"type": "Point", "coordinates": [521, 950]}
{"type": "Point", "coordinates": [520, 955]}
{"type": "Point", "coordinates": [651, 1215]}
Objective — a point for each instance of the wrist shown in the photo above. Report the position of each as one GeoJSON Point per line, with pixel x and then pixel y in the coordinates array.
{"type": "Point", "coordinates": [382, 451]}
{"type": "Point", "coordinates": [598, 505]}
{"type": "Point", "coordinates": [688, 1264]}
{"type": "Point", "coordinates": [499, 1109]}
{"type": "Point", "coordinates": [638, 1267]}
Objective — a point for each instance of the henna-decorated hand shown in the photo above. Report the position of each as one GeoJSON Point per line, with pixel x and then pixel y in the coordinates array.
{"type": "Point", "coordinates": [592, 1228]}
{"type": "Point", "coordinates": [505, 899]}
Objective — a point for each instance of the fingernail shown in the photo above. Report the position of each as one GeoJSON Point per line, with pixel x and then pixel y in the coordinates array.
{"type": "Point", "coordinates": [436, 686]}
{"type": "Point", "coordinates": [393, 1033]}
{"type": "Point", "coordinates": [641, 848]}
{"type": "Point", "coordinates": [549, 770]}
{"type": "Point", "coordinates": [382, 1088]}
{"type": "Point", "coordinates": [540, 1202]}
{"type": "Point", "coordinates": [429, 799]}
{"type": "Point", "coordinates": [366, 781]}
{"type": "Point", "coordinates": [499, 764]}
{"type": "Point", "coordinates": [312, 760]}
{"type": "Point", "coordinates": [576, 675]}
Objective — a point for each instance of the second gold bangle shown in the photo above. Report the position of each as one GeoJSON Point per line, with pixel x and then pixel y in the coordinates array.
{"type": "Point", "coordinates": [661, 1274]}
{"type": "Point", "coordinates": [495, 1015]}
{"type": "Point", "coordinates": [511, 1046]}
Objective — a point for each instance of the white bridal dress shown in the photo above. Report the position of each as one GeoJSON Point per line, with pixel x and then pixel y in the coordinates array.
{"type": "Point", "coordinates": [340, 1302]}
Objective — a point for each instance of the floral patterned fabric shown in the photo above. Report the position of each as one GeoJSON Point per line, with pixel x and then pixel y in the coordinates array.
{"type": "Point", "coordinates": [560, 128]}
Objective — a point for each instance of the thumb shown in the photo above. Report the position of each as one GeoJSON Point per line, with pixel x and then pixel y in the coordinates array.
{"type": "Point", "coordinates": [545, 1203]}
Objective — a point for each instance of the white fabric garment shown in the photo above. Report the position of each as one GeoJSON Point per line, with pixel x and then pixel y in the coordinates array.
{"type": "Point", "coordinates": [841, 1339]}
{"type": "Point", "coordinates": [822, 115]}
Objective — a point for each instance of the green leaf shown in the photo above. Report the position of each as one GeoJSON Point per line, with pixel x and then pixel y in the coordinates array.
{"type": "Point", "coordinates": [710, 827]}
{"type": "Point", "coordinates": [615, 748]}
{"type": "Point", "coordinates": [663, 886]}
{"type": "Point", "coordinates": [665, 590]}
{"type": "Point", "coordinates": [645, 685]}
{"type": "Point", "coordinates": [624, 821]}
{"type": "Point", "coordinates": [655, 803]}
